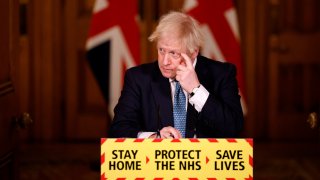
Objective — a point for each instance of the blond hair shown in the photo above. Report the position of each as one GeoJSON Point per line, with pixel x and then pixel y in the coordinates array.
{"type": "Point", "coordinates": [184, 26]}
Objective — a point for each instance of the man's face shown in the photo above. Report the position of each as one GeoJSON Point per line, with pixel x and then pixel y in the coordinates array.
{"type": "Point", "coordinates": [169, 56]}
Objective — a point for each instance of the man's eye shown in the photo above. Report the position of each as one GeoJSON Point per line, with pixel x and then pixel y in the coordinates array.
{"type": "Point", "coordinates": [175, 55]}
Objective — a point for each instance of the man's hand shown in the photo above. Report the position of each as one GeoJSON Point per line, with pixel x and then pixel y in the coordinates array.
{"type": "Point", "coordinates": [169, 133]}
{"type": "Point", "coordinates": [186, 74]}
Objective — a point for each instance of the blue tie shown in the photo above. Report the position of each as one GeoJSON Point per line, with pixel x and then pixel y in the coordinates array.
{"type": "Point", "coordinates": [179, 110]}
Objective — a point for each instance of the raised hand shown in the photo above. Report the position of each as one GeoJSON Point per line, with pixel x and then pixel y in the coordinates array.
{"type": "Point", "coordinates": [186, 74]}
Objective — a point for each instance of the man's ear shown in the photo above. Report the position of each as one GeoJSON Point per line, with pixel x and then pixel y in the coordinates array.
{"type": "Point", "coordinates": [194, 54]}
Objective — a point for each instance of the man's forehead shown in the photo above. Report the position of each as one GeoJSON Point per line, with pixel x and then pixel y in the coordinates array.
{"type": "Point", "coordinates": [171, 44]}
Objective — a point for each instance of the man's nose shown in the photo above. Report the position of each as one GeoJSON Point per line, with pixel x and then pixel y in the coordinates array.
{"type": "Point", "coordinates": [166, 59]}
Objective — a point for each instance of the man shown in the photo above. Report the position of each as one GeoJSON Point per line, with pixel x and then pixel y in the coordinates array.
{"type": "Point", "coordinates": [182, 94]}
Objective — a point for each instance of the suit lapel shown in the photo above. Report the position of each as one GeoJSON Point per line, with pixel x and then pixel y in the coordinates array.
{"type": "Point", "coordinates": [162, 94]}
{"type": "Point", "coordinates": [201, 70]}
{"type": "Point", "coordinates": [192, 113]}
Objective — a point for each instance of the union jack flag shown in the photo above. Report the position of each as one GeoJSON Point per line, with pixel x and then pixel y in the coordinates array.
{"type": "Point", "coordinates": [218, 20]}
{"type": "Point", "coordinates": [113, 45]}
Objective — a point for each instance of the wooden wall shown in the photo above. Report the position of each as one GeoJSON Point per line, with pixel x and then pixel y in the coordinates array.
{"type": "Point", "coordinates": [40, 68]}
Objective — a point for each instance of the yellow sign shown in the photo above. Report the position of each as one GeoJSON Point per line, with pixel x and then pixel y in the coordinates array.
{"type": "Point", "coordinates": [176, 159]}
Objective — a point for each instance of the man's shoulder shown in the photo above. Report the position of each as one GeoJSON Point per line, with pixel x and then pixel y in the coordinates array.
{"type": "Point", "coordinates": [215, 64]}
{"type": "Point", "coordinates": [146, 67]}
{"type": "Point", "coordinates": [143, 71]}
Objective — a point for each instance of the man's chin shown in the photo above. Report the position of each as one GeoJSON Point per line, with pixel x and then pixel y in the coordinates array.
{"type": "Point", "coordinates": [168, 75]}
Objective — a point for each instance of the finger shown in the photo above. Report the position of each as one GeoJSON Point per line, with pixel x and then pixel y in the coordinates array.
{"type": "Point", "coordinates": [187, 60]}
{"type": "Point", "coordinates": [175, 133]}
{"type": "Point", "coordinates": [180, 77]}
{"type": "Point", "coordinates": [163, 136]}
{"type": "Point", "coordinates": [170, 132]}
{"type": "Point", "coordinates": [181, 68]}
{"type": "Point", "coordinates": [168, 135]}
{"type": "Point", "coordinates": [166, 132]}
{"type": "Point", "coordinates": [179, 73]}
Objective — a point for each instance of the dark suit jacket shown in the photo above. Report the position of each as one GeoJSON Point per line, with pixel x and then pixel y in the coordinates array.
{"type": "Point", "coordinates": [146, 104]}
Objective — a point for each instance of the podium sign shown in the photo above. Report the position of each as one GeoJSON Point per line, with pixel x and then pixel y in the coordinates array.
{"type": "Point", "coordinates": [176, 159]}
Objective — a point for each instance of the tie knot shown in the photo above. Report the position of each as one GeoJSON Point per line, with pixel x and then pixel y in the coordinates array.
{"type": "Point", "coordinates": [177, 84]}
{"type": "Point", "coordinates": [178, 88]}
